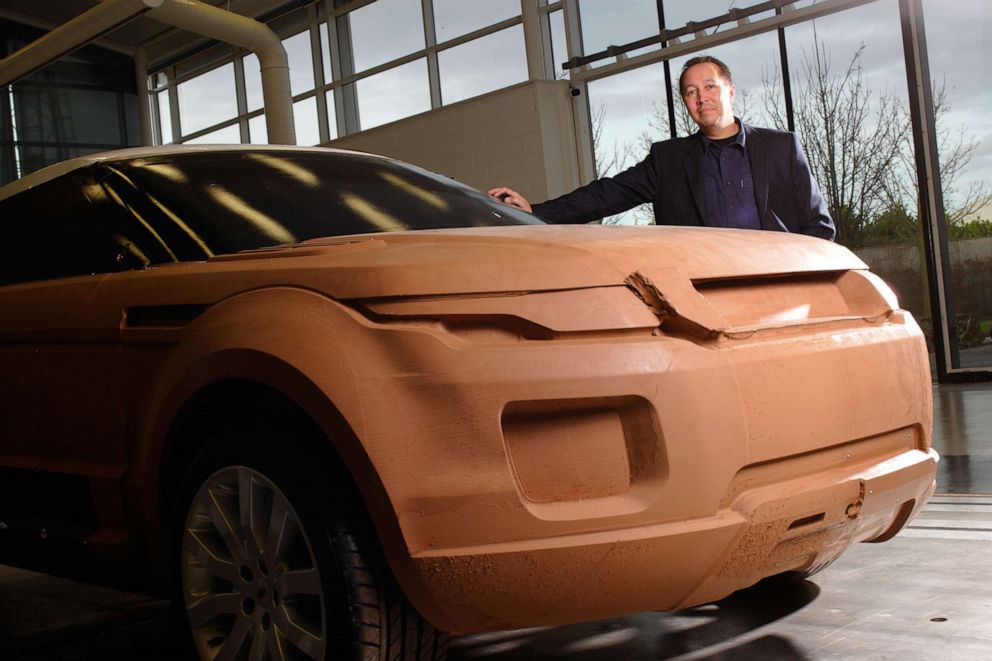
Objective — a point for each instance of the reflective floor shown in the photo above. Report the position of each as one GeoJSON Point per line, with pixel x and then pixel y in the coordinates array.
{"type": "Point", "coordinates": [927, 594]}
{"type": "Point", "coordinates": [962, 434]}
{"type": "Point", "coordinates": [924, 596]}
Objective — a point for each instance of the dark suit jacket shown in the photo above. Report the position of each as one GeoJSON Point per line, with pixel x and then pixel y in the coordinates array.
{"type": "Point", "coordinates": [786, 194]}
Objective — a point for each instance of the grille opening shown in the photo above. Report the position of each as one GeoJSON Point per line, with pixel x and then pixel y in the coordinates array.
{"type": "Point", "coordinates": [807, 520]}
{"type": "Point", "coordinates": [794, 299]}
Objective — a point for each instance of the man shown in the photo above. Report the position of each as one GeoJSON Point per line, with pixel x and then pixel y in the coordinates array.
{"type": "Point", "coordinates": [728, 174]}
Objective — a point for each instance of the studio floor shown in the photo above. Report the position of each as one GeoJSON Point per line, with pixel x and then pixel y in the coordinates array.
{"type": "Point", "coordinates": [927, 594]}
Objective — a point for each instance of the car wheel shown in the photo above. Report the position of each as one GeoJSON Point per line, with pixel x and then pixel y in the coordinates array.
{"type": "Point", "coordinates": [275, 561]}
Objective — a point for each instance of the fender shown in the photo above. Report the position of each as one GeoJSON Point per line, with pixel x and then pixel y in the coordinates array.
{"type": "Point", "coordinates": [295, 341]}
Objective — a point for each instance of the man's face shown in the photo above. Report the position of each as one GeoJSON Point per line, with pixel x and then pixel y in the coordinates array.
{"type": "Point", "coordinates": [709, 99]}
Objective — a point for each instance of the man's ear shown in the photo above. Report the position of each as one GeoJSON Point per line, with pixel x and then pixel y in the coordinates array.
{"type": "Point", "coordinates": [733, 91]}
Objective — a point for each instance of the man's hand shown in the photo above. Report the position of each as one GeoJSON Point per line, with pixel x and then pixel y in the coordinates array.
{"type": "Point", "coordinates": [510, 197]}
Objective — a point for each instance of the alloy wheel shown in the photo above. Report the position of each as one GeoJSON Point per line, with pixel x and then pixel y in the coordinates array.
{"type": "Point", "coordinates": [250, 580]}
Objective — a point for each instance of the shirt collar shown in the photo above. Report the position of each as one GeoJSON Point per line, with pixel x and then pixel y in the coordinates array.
{"type": "Point", "coordinates": [739, 139]}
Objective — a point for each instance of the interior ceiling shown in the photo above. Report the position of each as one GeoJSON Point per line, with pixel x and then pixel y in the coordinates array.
{"type": "Point", "coordinates": [160, 41]}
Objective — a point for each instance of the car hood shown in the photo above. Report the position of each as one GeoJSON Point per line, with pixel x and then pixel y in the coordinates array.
{"type": "Point", "coordinates": [532, 258]}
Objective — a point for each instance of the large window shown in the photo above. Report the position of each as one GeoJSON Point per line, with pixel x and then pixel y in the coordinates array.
{"type": "Point", "coordinates": [461, 75]}
{"type": "Point", "coordinates": [393, 94]}
{"type": "Point", "coordinates": [207, 99]}
{"type": "Point", "coordinates": [454, 18]}
{"type": "Point", "coordinates": [253, 82]}
{"type": "Point", "coordinates": [559, 43]}
{"type": "Point", "coordinates": [964, 153]}
{"type": "Point", "coordinates": [607, 24]}
{"type": "Point", "coordinates": [300, 62]}
{"type": "Point", "coordinates": [80, 104]}
{"type": "Point", "coordinates": [353, 69]}
{"type": "Point", "coordinates": [678, 14]}
{"type": "Point", "coordinates": [384, 31]}
{"type": "Point", "coordinates": [628, 113]}
{"type": "Point", "coordinates": [849, 88]}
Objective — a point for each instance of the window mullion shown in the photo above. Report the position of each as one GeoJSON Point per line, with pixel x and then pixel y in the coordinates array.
{"type": "Point", "coordinates": [430, 37]}
{"type": "Point", "coordinates": [242, 98]}
{"type": "Point", "coordinates": [346, 96]}
{"type": "Point", "coordinates": [172, 88]}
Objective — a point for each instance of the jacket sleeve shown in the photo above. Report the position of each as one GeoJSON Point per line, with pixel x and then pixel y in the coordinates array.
{"type": "Point", "coordinates": [816, 221]}
{"type": "Point", "coordinates": [603, 197]}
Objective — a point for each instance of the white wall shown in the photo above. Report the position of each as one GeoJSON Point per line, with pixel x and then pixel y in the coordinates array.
{"type": "Point", "coordinates": [520, 136]}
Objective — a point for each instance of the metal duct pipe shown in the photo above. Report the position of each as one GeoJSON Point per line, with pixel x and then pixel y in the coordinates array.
{"type": "Point", "coordinates": [88, 26]}
{"type": "Point", "coordinates": [245, 32]}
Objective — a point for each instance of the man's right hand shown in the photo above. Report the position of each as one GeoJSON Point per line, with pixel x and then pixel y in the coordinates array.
{"type": "Point", "coordinates": [510, 197]}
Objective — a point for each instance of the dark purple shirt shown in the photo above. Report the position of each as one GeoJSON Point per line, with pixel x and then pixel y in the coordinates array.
{"type": "Point", "coordinates": [728, 185]}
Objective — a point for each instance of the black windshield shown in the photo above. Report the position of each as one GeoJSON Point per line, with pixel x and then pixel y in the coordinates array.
{"type": "Point", "coordinates": [197, 204]}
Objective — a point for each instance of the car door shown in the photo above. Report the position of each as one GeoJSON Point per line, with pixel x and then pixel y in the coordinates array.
{"type": "Point", "coordinates": [61, 423]}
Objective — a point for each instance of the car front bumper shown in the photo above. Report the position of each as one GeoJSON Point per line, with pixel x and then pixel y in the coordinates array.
{"type": "Point", "coordinates": [796, 524]}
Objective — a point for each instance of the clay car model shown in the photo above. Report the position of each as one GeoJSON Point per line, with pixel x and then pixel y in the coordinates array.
{"type": "Point", "coordinates": [341, 404]}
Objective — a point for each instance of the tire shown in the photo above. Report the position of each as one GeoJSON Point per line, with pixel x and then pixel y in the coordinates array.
{"type": "Point", "coordinates": [275, 559]}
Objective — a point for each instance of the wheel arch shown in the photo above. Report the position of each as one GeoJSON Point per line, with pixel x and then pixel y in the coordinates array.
{"type": "Point", "coordinates": [228, 389]}
{"type": "Point", "coordinates": [281, 350]}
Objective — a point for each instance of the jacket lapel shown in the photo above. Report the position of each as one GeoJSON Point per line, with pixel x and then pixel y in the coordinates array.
{"type": "Point", "coordinates": [692, 159]}
{"type": "Point", "coordinates": [759, 170]}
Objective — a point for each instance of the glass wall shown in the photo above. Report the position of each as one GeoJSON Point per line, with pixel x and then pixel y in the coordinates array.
{"type": "Point", "coordinates": [607, 24]}
{"type": "Point", "coordinates": [80, 104]}
{"type": "Point", "coordinates": [384, 31]}
{"type": "Point", "coordinates": [628, 113]}
{"type": "Point", "coordinates": [207, 100]}
{"type": "Point", "coordinates": [848, 76]}
{"type": "Point", "coordinates": [393, 94]}
{"type": "Point", "coordinates": [353, 68]}
{"type": "Point", "coordinates": [678, 14]}
{"type": "Point", "coordinates": [958, 38]}
{"type": "Point", "coordinates": [463, 78]}
{"type": "Point", "coordinates": [455, 18]}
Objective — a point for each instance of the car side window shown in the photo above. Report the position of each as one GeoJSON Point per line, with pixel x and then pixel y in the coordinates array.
{"type": "Point", "coordinates": [52, 231]}
{"type": "Point", "coordinates": [213, 203]}
{"type": "Point", "coordinates": [146, 225]}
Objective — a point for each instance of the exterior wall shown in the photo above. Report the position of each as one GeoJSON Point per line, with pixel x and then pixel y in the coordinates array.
{"type": "Point", "coordinates": [521, 137]}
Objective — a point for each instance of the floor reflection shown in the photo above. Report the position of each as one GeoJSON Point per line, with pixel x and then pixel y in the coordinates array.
{"type": "Point", "coordinates": [976, 356]}
{"type": "Point", "coordinates": [723, 627]}
{"type": "Point", "coordinates": [962, 434]}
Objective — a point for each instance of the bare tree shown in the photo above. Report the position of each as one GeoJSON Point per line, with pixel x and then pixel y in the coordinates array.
{"type": "Point", "coordinates": [860, 148]}
{"type": "Point", "coordinates": [611, 158]}
{"type": "Point", "coordinates": [955, 150]}
{"type": "Point", "coordinates": [852, 137]}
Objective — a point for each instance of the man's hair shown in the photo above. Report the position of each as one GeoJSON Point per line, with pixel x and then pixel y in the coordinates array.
{"type": "Point", "coordinates": [704, 59]}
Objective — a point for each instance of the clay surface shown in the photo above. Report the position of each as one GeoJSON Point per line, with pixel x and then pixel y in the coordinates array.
{"type": "Point", "coordinates": [548, 424]}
